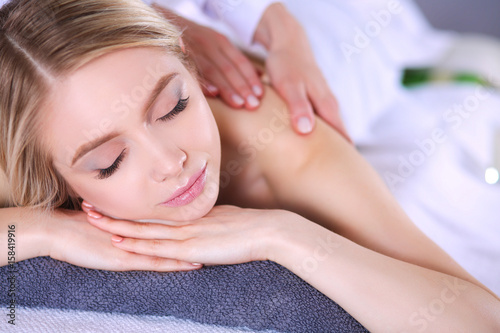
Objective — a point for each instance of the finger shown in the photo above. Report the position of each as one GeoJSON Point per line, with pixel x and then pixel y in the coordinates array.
{"type": "Point", "coordinates": [212, 74]}
{"type": "Point", "coordinates": [237, 81]}
{"type": "Point", "coordinates": [301, 110]}
{"type": "Point", "coordinates": [164, 248]}
{"type": "Point", "coordinates": [86, 207]}
{"type": "Point", "coordinates": [134, 261]}
{"type": "Point", "coordinates": [208, 88]}
{"type": "Point", "coordinates": [246, 68]}
{"type": "Point", "coordinates": [143, 230]}
{"type": "Point", "coordinates": [326, 106]}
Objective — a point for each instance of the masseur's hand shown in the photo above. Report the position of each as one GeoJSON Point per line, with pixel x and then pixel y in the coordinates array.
{"type": "Point", "coordinates": [291, 66]}
{"type": "Point", "coordinates": [225, 70]}
{"type": "Point", "coordinates": [294, 73]}
{"type": "Point", "coordinates": [76, 241]}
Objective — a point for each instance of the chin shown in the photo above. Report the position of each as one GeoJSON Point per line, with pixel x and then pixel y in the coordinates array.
{"type": "Point", "coordinates": [194, 211]}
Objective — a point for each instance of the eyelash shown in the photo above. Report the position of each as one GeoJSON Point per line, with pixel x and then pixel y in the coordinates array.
{"type": "Point", "coordinates": [105, 173]}
{"type": "Point", "coordinates": [108, 172]}
{"type": "Point", "coordinates": [181, 105]}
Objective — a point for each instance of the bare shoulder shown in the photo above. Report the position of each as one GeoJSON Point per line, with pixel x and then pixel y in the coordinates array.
{"type": "Point", "coordinates": [257, 142]}
{"type": "Point", "coordinates": [266, 133]}
{"type": "Point", "coordinates": [246, 136]}
{"type": "Point", "coordinates": [236, 125]}
{"type": "Point", "coordinates": [260, 127]}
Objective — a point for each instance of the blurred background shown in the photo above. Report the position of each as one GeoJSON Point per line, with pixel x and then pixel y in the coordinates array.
{"type": "Point", "coordinates": [481, 16]}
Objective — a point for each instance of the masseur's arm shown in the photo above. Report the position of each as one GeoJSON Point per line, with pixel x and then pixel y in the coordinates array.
{"type": "Point", "coordinates": [290, 63]}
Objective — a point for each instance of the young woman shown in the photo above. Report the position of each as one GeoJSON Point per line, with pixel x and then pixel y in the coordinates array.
{"type": "Point", "coordinates": [98, 102]}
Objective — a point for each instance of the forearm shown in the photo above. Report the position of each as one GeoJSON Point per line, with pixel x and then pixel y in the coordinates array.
{"type": "Point", "coordinates": [26, 230]}
{"type": "Point", "coordinates": [385, 294]}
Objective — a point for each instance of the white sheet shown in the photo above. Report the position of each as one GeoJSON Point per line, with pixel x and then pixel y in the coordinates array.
{"type": "Point", "coordinates": [64, 321]}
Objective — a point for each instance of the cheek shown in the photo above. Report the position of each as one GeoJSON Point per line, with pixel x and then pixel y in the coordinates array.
{"type": "Point", "coordinates": [111, 198]}
{"type": "Point", "coordinates": [206, 131]}
{"type": "Point", "coordinates": [195, 131]}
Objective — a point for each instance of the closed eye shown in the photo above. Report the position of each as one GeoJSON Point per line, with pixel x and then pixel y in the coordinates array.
{"type": "Point", "coordinates": [181, 105]}
{"type": "Point", "coordinates": [108, 172]}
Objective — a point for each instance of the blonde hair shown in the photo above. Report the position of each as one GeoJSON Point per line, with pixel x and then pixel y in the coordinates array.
{"type": "Point", "coordinates": [41, 40]}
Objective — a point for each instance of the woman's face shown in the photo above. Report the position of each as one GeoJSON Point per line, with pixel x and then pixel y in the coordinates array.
{"type": "Point", "coordinates": [132, 134]}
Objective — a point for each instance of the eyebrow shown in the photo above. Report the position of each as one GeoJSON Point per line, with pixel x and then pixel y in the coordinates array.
{"type": "Point", "coordinates": [89, 146]}
{"type": "Point", "coordinates": [160, 85]}
{"type": "Point", "coordinates": [86, 147]}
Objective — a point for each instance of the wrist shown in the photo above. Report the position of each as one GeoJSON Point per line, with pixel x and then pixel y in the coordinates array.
{"type": "Point", "coordinates": [28, 225]}
{"type": "Point", "coordinates": [293, 237]}
{"type": "Point", "coordinates": [38, 233]}
{"type": "Point", "coordinates": [277, 28]}
{"type": "Point", "coordinates": [303, 246]}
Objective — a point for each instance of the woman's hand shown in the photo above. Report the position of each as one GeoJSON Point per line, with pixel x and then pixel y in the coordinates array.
{"type": "Point", "coordinates": [226, 235]}
{"type": "Point", "coordinates": [74, 240]}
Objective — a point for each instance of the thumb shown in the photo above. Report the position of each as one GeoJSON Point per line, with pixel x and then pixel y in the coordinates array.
{"type": "Point", "coordinates": [301, 110]}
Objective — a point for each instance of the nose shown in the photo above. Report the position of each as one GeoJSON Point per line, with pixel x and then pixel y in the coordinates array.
{"type": "Point", "coordinates": [167, 162]}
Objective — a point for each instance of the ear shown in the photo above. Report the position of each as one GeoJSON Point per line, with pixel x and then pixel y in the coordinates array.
{"type": "Point", "coordinates": [182, 45]}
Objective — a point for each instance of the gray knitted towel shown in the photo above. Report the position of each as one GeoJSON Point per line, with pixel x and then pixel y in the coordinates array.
{"type": "Point", "coordinates": [259, 295]}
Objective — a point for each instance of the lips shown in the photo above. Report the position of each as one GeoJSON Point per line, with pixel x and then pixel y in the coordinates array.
{"type": "Point", "coordinates": [191, 191]}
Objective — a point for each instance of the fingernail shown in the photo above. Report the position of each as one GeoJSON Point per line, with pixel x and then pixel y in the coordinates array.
{"type": "Point", "coordinates": [238, 100]}
{"type": "Point", "coordinates": [212, 89]}
{"type": "Point", "coordinates": [94, 214]}
{"type": "Point", "coordinates": [87, 205]}
{"type": "Point", "coordinates": [304, 125]}
{"type": "Point", "coordinates": [116, 238]}
{"type": "Point", "coordinates": [196, 264]}
{"type": "Point", "coordinates": [252, 101]}
{"type": "Point", "coordinates": [257, 90]}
